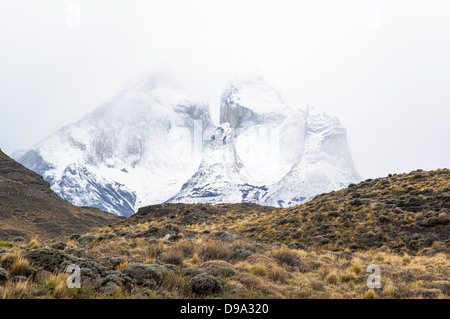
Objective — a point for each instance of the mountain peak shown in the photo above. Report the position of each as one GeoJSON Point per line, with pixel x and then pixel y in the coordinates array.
{"type": "Point", "coordinates": [155, 142]}
{"type": "Point", "coordinates": [221, 177]}
{"type": "Point", "coordinates": [249, 97]}
{"type": "Point", "coordinates": [134, 150]}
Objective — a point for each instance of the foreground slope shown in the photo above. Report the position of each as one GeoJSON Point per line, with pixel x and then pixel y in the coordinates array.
{"type": "Point", "coordinates": [320, 249]}
{"type": "Point", "coordinates": [405, 212]}
{"type": "Point", "coordinates": [29, 208]}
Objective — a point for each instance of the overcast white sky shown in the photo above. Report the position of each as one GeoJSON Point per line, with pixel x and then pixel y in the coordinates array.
{"type": "Point", "coordinates": [382, 67]}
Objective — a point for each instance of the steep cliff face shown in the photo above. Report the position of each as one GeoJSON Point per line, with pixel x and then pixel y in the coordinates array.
{"type": "Point", "coordinates": [267, 136]}
{"type": "Point", "coordinates": [232, 114]}
{"type": "Point", "coordinates": [324, 164]}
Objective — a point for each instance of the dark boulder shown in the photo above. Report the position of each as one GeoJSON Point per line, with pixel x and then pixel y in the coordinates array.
{"type": "Point", "coordinates": [204, 284]}
{"type": "Point", "coordinates": [48, 259]}
{"type": "Point", "coordinates": [146, 274]}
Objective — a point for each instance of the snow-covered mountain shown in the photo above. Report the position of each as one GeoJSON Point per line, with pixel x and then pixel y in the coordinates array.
{"type": "Point", "coordinates": [268, 152]}
{"type": "Point", "coordinates": [221, 177]}
{"type": "Point", "coordinates": [137, 149]}
{"type": "Point", "coordinates": [155, 143]}
{"type": "Point", "coordinates": [324, 163]}
{"type": "Point", "coordinates": [268, 135]}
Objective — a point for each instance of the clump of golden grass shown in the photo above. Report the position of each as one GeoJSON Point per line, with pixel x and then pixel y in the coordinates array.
{"type": "Point", "coordinates": [57, 285]}
{"type": "Point", "coordinates": [316, 285]}
{"type": "Point", "coordinates": [278, 274]}
{"type": "Point", "coordinates": [260, 270]}
{"type": "Point", "coordinates": [154, 250]}
{"type": "Point", "coordinates": [19, 267]}
{"type": "Point", "coordinates": [177, 285]}
{"type": "Point", "coordinates": [256, 258]}
{"type": "Point", "coordinates": [250, 280]}
{"type": "Point", "coordinates": [244, 266]}
{"type": "Point", "coordinates": [16, 290]}
{"type": "Point", "coordinates": [8, 259]}
{"type": "Point", "coordinates": [185, 248]}
{"type": "Point", "coordinates": [356, 266]}
{"type": "Point", "coordinates": [347, 275]}
{"type": "Point", "coordinates": [380, 257]}
{"type": "Point", "coordinates": [323, 272]}
{"type": "Point", "coordinates": [34, 244]}
{"type": "Point", "coordinates": [332, 278]}
{"type": "Point", "coordinates": [195, 259]}
{"type": "Point", "coordinates": [287, 257]}
{"type": "Point", "coordinates": [389, 289]}
{"type": "Point", "coordinates": [370, 294]}
{"type": "Point", "coordinates": [406, 259]}
{"type": "Point", "coordinates": [16, 264]}
{"type": "Point", "coordinates": [214, 250]}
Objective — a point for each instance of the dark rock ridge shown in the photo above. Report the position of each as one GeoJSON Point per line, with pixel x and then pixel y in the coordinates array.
{"type": "Point", "coordinates": [29, 208]}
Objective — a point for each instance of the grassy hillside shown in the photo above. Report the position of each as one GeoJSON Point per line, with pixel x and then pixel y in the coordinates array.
{"type": "Point", "coordinates": [320, 249]}
{"type": "Point", "coordinates": [406, 213]}
{"type": "Point", "coordinates": [29, 208]}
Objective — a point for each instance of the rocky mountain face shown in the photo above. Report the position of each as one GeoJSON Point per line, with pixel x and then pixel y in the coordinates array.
{"type": "Point", "coordinates": [271, 153]}
{"type": "Point", "coordinates": [221, 177]}
{"type": "Point", "coordinates": [156, 143]}
{"type": "Point", "coordinates": [28, 207]}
